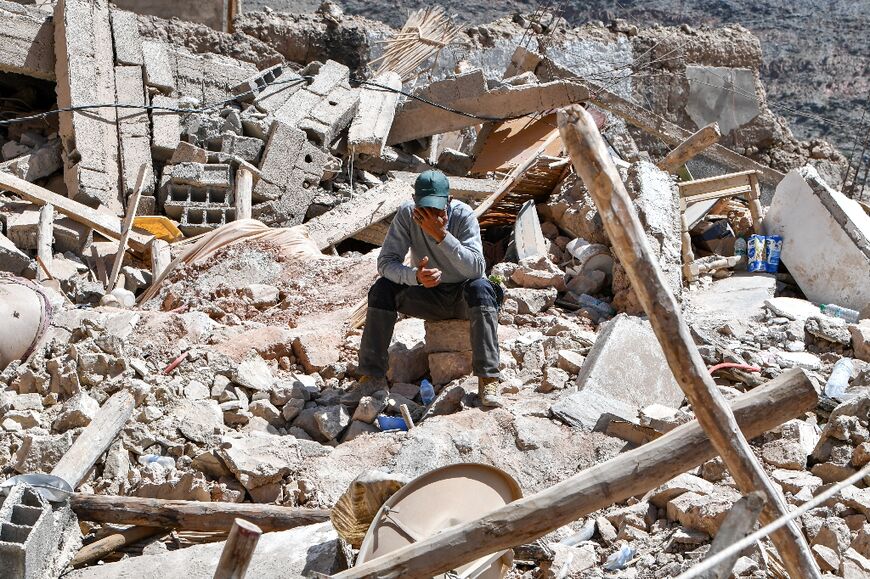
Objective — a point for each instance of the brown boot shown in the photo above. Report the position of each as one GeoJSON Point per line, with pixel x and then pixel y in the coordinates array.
{"type": "Point", "coordinates": [487, 391]}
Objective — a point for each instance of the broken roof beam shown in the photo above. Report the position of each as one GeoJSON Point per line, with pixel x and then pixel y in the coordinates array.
{"type": "Point", "coordinates": [469, 93]}
{"type": "Point", "coordinates": [103, 223]}
{"type": "Point", "coordinates": [26, 41]}
{"type": "Point", "coordinates": [626, 475]}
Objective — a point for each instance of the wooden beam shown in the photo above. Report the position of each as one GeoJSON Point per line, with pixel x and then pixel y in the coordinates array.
{"type": "Point", "coordinates": [102, 547]}
{"type": "Point", "coordinates": [739, 522]}
{"type": "Point", "coordinates": [161, 257]}
{"type": "Point", "coordinates": [103, 223]}
{"type": "Point", "coordinates": [238, 550]}
{"type": "Point", "coordinates": [45, 241]}
{"type": "Point", "coordinates": [690, 148]}
{"type": "Point", "coordinates": [244, 187]}
{"type": "Point", "coordinates": [190, 515]}
{"type": "Point", "coordinates": [593, 163]}
{"type": "Point", "coordinates": [628, 474]}
{"type": "Point", "coordinates": [95, 439]}
{"type": "Point", "coordinates": [127, 228]}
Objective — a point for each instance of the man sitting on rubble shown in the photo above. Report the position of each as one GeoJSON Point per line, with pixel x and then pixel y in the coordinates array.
{"type": "Point", "coordinates": [448, 282]}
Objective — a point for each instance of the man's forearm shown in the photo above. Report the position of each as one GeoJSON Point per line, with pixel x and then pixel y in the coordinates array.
{"type": "Point", "coordinates": [398, 272]}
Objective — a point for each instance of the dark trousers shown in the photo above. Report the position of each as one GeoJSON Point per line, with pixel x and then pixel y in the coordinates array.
{"type": "Point", "coordinates": [475, 300]}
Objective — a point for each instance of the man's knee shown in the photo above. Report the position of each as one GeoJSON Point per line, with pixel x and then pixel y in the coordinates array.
{"type": "Point", "coordinates": [479, 292]}
{"type": "Point", "coordinates": [382, 294]}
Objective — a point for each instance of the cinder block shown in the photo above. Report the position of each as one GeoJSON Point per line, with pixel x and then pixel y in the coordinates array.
{"type": "Point", "coordinates": [165, 128]}
{"type": "Point", "coordinates": [200, 175]}
{"type": "Point", "coordinates": [624, 372]}
{"type": "Point", "coordinates": [128, 42]}
{"type": "Point", "coordinates": [246, 148]}
{"type": "Point", "coordinates": [26, 41]}
{"type": "Point", "coordinates": [158, 69]}
{"type": "Point", "coordinates": [374, 116]}
{"type": "Point", "coordinates": [825, 239]}
{"type": "Point", "coordinates": [86, 75]}
{"type": "Point", "coordinates": [134, 130]}
{"type": "Point", "coordinates": [187, 153]}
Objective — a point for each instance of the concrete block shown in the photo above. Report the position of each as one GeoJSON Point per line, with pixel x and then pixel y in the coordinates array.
{"type": "Point", "coordinates": [374, 115]}
{"type": "Point", "coordinates": [12, 259]}
{"type": "Point", "coordinates": [85, 75]}
{"type": "Point", "coordinates": [826, 239]}
{"type": "Point", "coordinates": [246, 148]}
{"type": "Point", "coordinates": [187, 153]}
{"type": "Point", "coordinates": [134, 130]}
{"type": "Point", "coordinates": [624, 372]}
{"type": "Point", "coordinates": [26, 41]}
{"type": "Point", "coordinates": [201, 175]}
{"type": "Point", "coordinates": [72, 236]}
{"type": "Point", "coordinates": [205, 77]}
{"type": "Point", "coordinates": [158, 69]}
{"type": "Point", "coordinates": [165, 128]}
{"type": "Point", "coordinates": [42, 162]}
{"type": "Point", "coordinates": [128, 42]}
{"type": "Point", "coordinates": [21, 226]}
{"type": "Point", "coordinates": [447, 366]}
{"type": "Point", "coordinates": [275, 93]}
{"type": "Point", "coordinates": [448, 336]}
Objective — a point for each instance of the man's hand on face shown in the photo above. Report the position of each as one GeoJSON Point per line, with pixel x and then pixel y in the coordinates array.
{"type": "Point", "coordinates": [428, 278]}
{"type": "Point", "coordinates": [432, 221]}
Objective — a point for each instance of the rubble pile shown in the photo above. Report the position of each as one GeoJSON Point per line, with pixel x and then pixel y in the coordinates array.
{"type": "Point", "coordinates": [221, 355]}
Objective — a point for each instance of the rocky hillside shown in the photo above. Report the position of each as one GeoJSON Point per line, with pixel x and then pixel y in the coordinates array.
{"type": "Point", "coordinates": [816, 55]}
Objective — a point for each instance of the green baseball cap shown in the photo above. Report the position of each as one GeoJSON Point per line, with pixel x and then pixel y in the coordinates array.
{"type": "Point", "coordinates": [431, 189]}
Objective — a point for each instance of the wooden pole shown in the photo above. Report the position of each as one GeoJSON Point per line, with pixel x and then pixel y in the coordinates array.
{"type": "Point", "coordinates": [126, 228]}
{"type": "Point", "coordinates": [592, 161]}
{"type": "Point", "coordinates": [45, 240]}
{"type": "Point", "coordinates": [99, 549]}
{"type": "Point", "coordinates": [238, 550]}
{"type": "Point", "coordinates": [95, 439]}
{"type": "Point", "coordinates": [736, 525]}
{"type": "Point", "coordinates": [690, 148]}
{"type": "Point", "coordinates": [406, 415]}
{"type": "Point", "coordinates": [244, 187]}
{"type": "Point", "coordinates": [161, 257]}
{"type": "Point", "coordinates": [190, 515]}
{"type": "Point", "coordinates": [626, 475]}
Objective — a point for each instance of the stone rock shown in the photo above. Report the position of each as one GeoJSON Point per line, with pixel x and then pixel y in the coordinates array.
{"type": "Point", "coordinates": [861, 542]}
{"type": "Point", "coordinates": [662, 418]}
{"type": "Point", "coordinates": [606, 530]}
{"type": "Point", "coordinates": [358, 427]}
{"type": "Point", "coordinates": [531, 301]}
{"type": "Point", "coordinates": [860, 334]}
{"type": "Point", "coordinates": [262, 295]}
{"type": "Point", "coordinates": [554, 379]}
{"type": "Point", "coordinates": [409, 391]}
{"type": "Point", "coordinates": [792, 308]}
{"type": "Point", "coordinates": [784, 453]}
{"type": "Point", "coordinates": [267, 411]}
{"type": "Point", "coordinates": [538, 272]}
{"type": "Point", "coordinates": [570, 561]}
{"type": "Point", "coordinates": [292, 409]}
{"type": "Point", "coordinates": [803, 360]}
{"type": "Point", "coordinates": [861, 454]}
{"type": "Point", "coordinates": [834, 534]}
{"type": "Point", "coordinates": [254, 373]}
{"type": "Point", "coordinates": [828, 328]}
{"type": "Point", "coordinates": [448, 336]}
{"type": "Point", "coordinates": [31, 401]}
{"type": "Point", "coordinates": [678, 485]}
{"type": "Point", "coordinates": [40, 453]}
{"type": "Point", "coordinates": [258, 458]}
{"type": "Point", "coordinates": [858, 499]}
{"type": "Point", "coordinates": [802, 432]}
{"type": "Point", "coordinates": [198, 420]}
{"type": "Point", "coordinates": [76, 412]}
{"type": "Point", "coordinates": [624, 371]}
{"type": "Point", "coordinates": [407, 362]}
{"type": "Point", "coordinates": [332, 420]}
{"type": "Point", "coordinates": [793, 481]}
{"type": "Point", "coordinates": [318, 350]}
{"type": "Point", "coordinates": [831, 472]}
{"type": "Point", "coordinates": [827, 558]}
{"type": "Point", "coordinates": [854, 565]}
{"type": "Point", "coordinates": [187, 486]}
{"type": "Point", "coordinates": [589, 282]}
{"type": "Point", "coordinates": [447, 366]}
{"type": "Point", "coordinates": [196, 390]}
{"type": "Point", "coordinates": [702, 513]}
{"type": "Point", "coordinates": [570, 361]}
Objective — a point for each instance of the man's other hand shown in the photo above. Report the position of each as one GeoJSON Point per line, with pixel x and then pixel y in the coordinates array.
{"type": "Point", "coordinates": [428, 278]}
{"type": "Point", "coordinates": [432, 222]}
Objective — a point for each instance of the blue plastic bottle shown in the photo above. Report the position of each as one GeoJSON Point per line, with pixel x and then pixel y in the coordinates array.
{"type": "Point", "coordinates": [427, 392]}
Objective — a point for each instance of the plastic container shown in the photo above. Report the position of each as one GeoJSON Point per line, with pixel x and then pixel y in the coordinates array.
{"type": "Point", "coordinates": [755, 253]}
{"type": "Point", "coordinates": [164, 461]}
{"type": "Point", "coordinates": [427, 392]}
{"type": "Point", "coordinates": [836, 385]}
{"type": "Point", "coordinates": [391, 422]}
{"type": "Point", "coordinates": [620, 559]}
{"type": "Point", "coordinates": [772, 250]}
{"type": "Point", "coordinates": [836, 311]}
{"type": "Point", "coordinates": [740, 249]}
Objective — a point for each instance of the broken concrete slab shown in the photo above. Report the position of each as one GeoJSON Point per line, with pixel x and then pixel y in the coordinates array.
{"type": "Point", "coordinates": [86, 75]}
{"type": "Point", "coordinates": [624, 372]}
{"type": "Point", "coordinates": [735, 300]}
{"type": "Point", "coordinates": [165, 127]}
{"type": "Point", "coordinates": [722, 95]}
{"type": "Point", "coordinates": [134, 130]}
{"type": "Point", "coordinates": [293, 553]}
{"type": "Point", "coordinates": [374, 116]}
{"type": "Point", "coordinates": [469, 93]}
{"type": "Point", "coordinates": [826, 239]}
{"type": "Point", "coordinates": [12, 259]}
{"type": "Point", "coordinates": [158, 70]}
{"type": "Point", "coordinates": [26, 41]}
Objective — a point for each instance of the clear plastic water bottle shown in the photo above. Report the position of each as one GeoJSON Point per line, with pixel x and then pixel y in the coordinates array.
{"type": "Point", "coordinates": [740, 250]}
{"type": "Point", "coordinates": [427, 392]}
{"type": "Point", "coordinates": [836, 311]}
{"type": "Point", "coordinates": [620, 559]}
{"type": "Point", "coordinates": [164, 461]}
{"type": "Point", "coordinates": [836, 385]}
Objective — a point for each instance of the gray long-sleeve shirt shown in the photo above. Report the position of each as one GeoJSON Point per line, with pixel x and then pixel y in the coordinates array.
{"type": "Point", "coordinates": [459, 256]}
